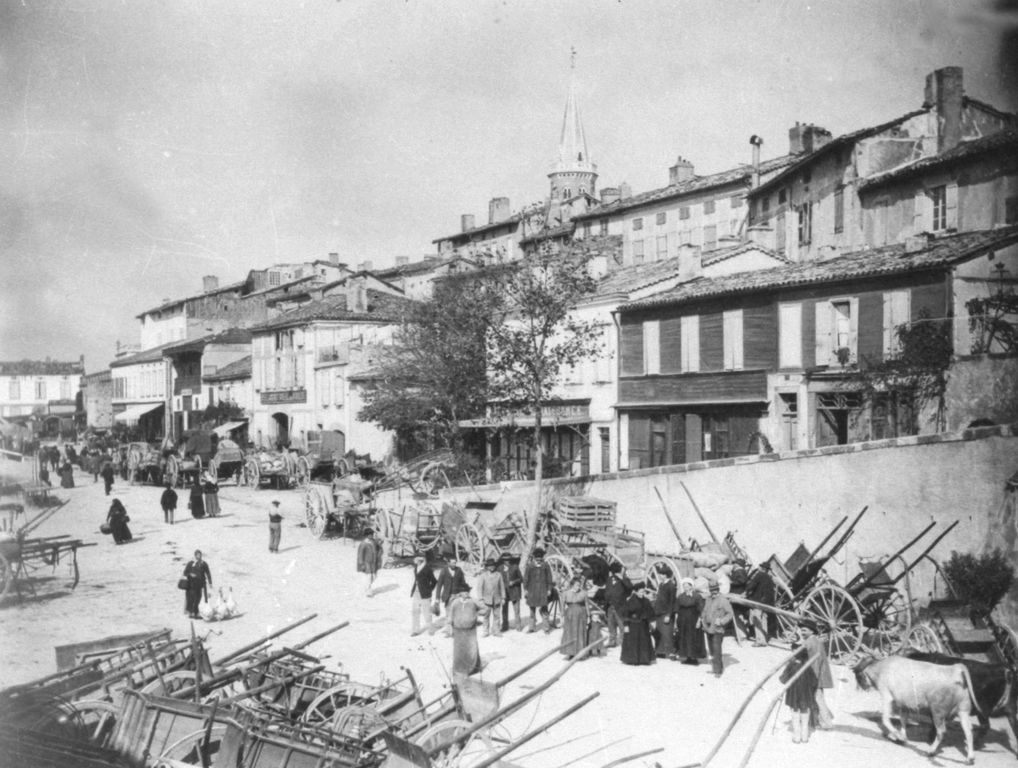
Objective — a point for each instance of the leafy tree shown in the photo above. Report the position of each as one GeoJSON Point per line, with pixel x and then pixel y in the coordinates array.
{"type": "Point", "coordinates": [534, 335]}
{"type": "Point", "coordinates": [981, 581]}
{"type": "Point", "coordinates": [433, 375]}
{"type": "Point", "coordinates": [992, 323]}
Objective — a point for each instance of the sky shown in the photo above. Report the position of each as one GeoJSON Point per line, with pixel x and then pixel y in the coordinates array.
{"type": "Point", "coordinates": [147, 144]}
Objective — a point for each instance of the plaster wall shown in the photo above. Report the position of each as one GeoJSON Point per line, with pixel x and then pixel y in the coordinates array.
{"type": "Point", "coordinates": [982, 387]}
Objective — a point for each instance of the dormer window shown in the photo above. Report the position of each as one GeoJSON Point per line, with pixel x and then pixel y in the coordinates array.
{"type": "Point", "coordinates": [567, 193]}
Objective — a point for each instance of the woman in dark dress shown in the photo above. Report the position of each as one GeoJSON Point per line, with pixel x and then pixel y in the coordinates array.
{"type": "Point", "coordinates": [66, 475]}
{"type": "Point", "coordinates": [637, 613]}
{"type": "Point", "coordinates": [197, 504]}
{"type": "Point", "coordinates": [117, 519]}
{"type": "Point", "coordinates": [801, 695]}
{"type": "Point", "coordinates": [199, 579]}
{"type": "Point", "coordinates": [689, 645]}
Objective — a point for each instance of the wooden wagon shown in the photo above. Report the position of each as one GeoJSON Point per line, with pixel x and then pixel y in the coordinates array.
{"type": "Point", "coordinates": [338, 505]}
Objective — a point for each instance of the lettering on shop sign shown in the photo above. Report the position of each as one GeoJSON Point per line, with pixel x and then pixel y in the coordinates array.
{"type": "Point", "coordinates": [278, 396]}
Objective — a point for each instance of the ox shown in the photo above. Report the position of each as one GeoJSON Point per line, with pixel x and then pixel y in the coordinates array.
{"type": "Point", "coordinates": [920, 686]}
{"type": "Point", "coordinates": [994, 687]}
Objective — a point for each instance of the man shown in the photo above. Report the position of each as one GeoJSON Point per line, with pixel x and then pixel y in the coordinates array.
{"type": "Point", "coordinates": [538, 585]}
{"type": "Point", "coordinates": [451, 580]}
{"type": "Point", "coordinates": [198, 579]}
{"type": "Point", "coordinates": [369, 559]}
{"type": "Point", "coordinates": [276, 528]}
{"type": "Point", "coordinates": [168, 501]}
{"type": "Point", "coordinates": [760, 589]}
{"type": "Point", "coordinates": [512, 579]}
{"type": "Point", "coordinates": [420, 595]}
{"type": "Point", "coordinates": [107, 473]}
{"type": "Point", "coordinates": [491, 591]}
{"type": "Point", "coordinates": [814, 644]}
{"type": "Point", "coordinates": [737, 586]}
{"type": "Point", "coordinates": [615, 593]}
{"type": "Point", "coordinates": [664, 610]}
{"type": "Point", "coordinates": [715, 617]}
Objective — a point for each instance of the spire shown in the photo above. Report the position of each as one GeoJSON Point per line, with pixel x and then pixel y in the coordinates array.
{"type": "Point", "coordinates": [573, 172]}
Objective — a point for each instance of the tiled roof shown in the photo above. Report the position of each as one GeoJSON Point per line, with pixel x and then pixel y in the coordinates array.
{"type": "Point", "coordinates": [40, 368]}
{"type": "Point", "coordinates": [229, 336]}
{"type": "Point", "coordinates": [888, 260]}
{"type": "Point", "coordinates": [238, 369]}
{"type": "Point", "coordinates": [836, 143]}
{"type": "Point", "coordinates": [639, 276]}
{"type": "Point", "coordinates": [723, 254]}
{"type": "Point", "coordinates": [514, 219]}
{"type": "Point", "coordinates": [175, 302]}
{"type": "Point", "coordinates": [967, 149]}
{"type": "Point", "coordinates": [413, 268]}
{"type": "Point", "coordinates": [550, 233]}
{"type": "Point", "coordinates": [697, 184]}
{"type": "Point", "coordinates": [145, 356]}
{"type": "Point", "coordinates": [382, 307]}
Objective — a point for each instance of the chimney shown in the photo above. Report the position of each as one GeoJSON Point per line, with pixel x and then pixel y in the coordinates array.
{"type": "Point", "coordinates": [466, 222]}
{"type": "Point", "coordinates": [364, 266]}
{"type": "Point", "coordinates": [756, 143]}
{"type": "Point", "coordinates": [610, 195]}
{"type": "Point", "coordinates": [334, 259]}
{"type": "Point", "coordinates": [209, 283]}
{"type": "Point", "coordinates": [806, 138]}
{"type": "Point", "coordinates": [625, 191]}
{"type": "Point", "coordinates": [689, 262]}
{"type": "Point", "coordinates": [498, 210]}
{"type": "Point", "coordinates": [944, 92]}
{"type": "Point", "coordinates": [680, 172]}
{"type": "Point", "coordinates": [916, 243]}
{"type": "Point", "coordinates": [402, 261]}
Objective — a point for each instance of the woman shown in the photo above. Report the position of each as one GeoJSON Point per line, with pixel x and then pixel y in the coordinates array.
{"type": "Point", "coordinates": [210, 493]}
{"type": "Point", "coordinates": [801, 695]}
{"type": "Point", "coordinates": [66, 475]}
{"type": "Point", "coordinates": [196, 504]}
{"type": "Point", "coordinates": [664, 609]}
{"type": "Point", "coordinates": [199, 579]}
{"type": "Point", "coordinates": [637, 612]}
{"type": "Point", "coordinates": [689, 645]}
{"type": "Point", "coordinates": [117, 519]}
{"type": "Point", "coordinates": [574, 619]}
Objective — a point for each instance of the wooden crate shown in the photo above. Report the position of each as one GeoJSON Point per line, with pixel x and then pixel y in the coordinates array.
{"type": "Point", "coordinates": [585, 512]}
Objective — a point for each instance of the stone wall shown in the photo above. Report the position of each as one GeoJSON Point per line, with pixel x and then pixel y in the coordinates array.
{"type": "Point", "coordinates": [982, 387]}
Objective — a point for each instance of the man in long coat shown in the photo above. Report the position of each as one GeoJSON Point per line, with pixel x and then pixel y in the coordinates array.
{"type": "Point", "coordinates": [538, 585]}
{"type": "Point", "coordinates": [463, 614]}
{"type": "Point", "coordinates": [369, 559]}
{"type": "Point", "coordinates": [420, 594]}
{"type": "Point", "coordinates": [714, 619]}
{"type": "Point", "coordinates": [760, 589]}
{"type": "Point", "coordinates": [451, 580]}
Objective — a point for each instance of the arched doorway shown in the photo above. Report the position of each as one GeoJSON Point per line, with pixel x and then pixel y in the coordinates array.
{"type": "Point", "coordinates": [281, 425]}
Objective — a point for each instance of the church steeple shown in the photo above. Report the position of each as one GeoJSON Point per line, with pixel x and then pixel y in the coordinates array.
{"type": "Point", "coordinates": [574, 173]}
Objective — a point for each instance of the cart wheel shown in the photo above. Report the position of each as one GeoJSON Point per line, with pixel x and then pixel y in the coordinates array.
{"type": "Point", "coordinates": [470, 546]}
{"type": "Point", "coordinates": [837, 615]}
{"type": "Point", "coordinates": [784, 600]}
{"type": "Point", "coordinates": [561, 570]}
{"type": "Point", "coordinates": [887, 617]}
{"type": "Point", "coordinates": [302, 469]}
{"type": "Point", "coordinates": [172, 472]}
{"type": "Point", "coordinates": [7, 575]}
{"type": "Point", "coordinates": [314, 512]}
{"type": "Point", "coordinates": [433, 478]}
{"type": "Point", "coordinates": [252, 473]}
{"type": "Point", "coordinates": [924, 637]}
{"type": "Point", "coordinates": [325, 706]}
{"type": "Point", "coordinates": [95, 720]}
{"type": "Point", "coordinates": [460, 755]}
{"type": "Point", "coordinates": [341, 467]}
{"type": "Point", "coordinates": [654, 577]}
{"type": "Point", "coordinates": [358, 722]}
{"type": "Point", "coordinates": [187, 750]}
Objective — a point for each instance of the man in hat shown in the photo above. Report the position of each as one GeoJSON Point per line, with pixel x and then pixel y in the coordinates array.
{"type": "Point", "coordinates": [616, 591]}
{"type": "Point", "coordinates": [369, 558]}
{"type": "Point", "coordinates": [275, 526]}
{"type": "Point", "coordinates": [420, 594]}
{"type": "Point", "coordinates": [716, 616]}
{"type": "Point", "coordinates": [491, 591]}
{"type": "Point", "coordinates": [451, 580]}
{"type": "Point", "coordinates": [512, 579]}
{"type": "Point", "coordinates": [538, 586]}
{"type": "Point", "coordinates": [760, 589]}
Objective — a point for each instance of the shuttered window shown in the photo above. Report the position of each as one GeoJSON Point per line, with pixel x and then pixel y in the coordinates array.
{"type": "Point", "coordinates": [711, 342]}
{"type": "Point", "coordinates": [652, 346]}
{"type": "Point", "coordinates": [632, 348]}
{"type": "Point", "coordinates": [733, 345]}
{"type": "Point", "coordinates": [790, 335]}
{"type": "Point", "coordinates": [690, 352]}
{"type": "Point", "coordinates": [837, 329]}
{"type": "Point", "coordinates": [897, 311]}
{"type": "Point", "coordinates": [671, 345]}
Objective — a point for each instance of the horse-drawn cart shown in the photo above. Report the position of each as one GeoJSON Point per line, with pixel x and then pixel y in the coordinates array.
{"type": "Point", "coordinates": [340, 505]}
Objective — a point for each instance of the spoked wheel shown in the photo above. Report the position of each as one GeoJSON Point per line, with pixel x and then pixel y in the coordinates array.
{"type": "Point", "coordinates": [837, 615]}
{"type": "Point", "coordinates": [358, 722]}
{"type": "Point", "coordinates": [302, 470]}
{"type": "Point", "coordinates": [95, 720]}
{"type": "Point", "coordinates": [656, 569]}
{"type": "Point", "coordinates": [462, 754]}
{"type": "Point", "coordinates": [433, 478]}
{"type": "Point", "coordinates": [561, 570]}
{"type": "Point", "coordinates": [784, 600]}
{"type": "Point", "coordinates": [189, 749]}
{"type": "Point", "coordinates": [1007, 646]}
{"type": "Point", "coordinates": [314, 512]}
{"type": "Point", "coordinates": [924, 638]}
{"type": "Point", "coordinates": [327, 704]}
{"type": "Point", "coordinates": [252, 473]}
{"type": "Point", "coordinates": [7, 575]}
{"type": "Point", "coordinates": [887, 618]}
{"type": "Point", "coordinates": [470, 546]}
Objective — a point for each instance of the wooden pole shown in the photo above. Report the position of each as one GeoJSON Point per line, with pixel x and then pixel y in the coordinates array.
{"type": "Point", "coordinates": [929, 549]}
{"type": "Point", "coordinates": [629, 758]}
{"type": "Point", "coordinates": [855, 584]}
{"type": "Point", "coordinates": [250, 646]}
{"type": "Point", "coordinates": [272, 684]}
{"type": "Point", "coordinates": [671, 522]}
{"type": "Point", "coordinates": [826, 539]}
{"type": "Point", "coordinates": [699, 513]}
{"type": "Point", "coordinates": [847, 534]}
{"type": "Point", "coordinates": [526, 668]}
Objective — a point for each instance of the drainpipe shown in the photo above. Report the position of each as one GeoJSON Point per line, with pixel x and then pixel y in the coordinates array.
{"type": "Point", "coordinates": [756, 142]}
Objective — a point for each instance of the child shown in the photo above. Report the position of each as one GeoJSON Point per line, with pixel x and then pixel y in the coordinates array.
{"type": "Point", "coordinates": [801, 694]}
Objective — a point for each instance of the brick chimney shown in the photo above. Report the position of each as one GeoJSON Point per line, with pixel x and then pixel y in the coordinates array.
{"type": "Point", "coordinates": [334, 259]}
{"type": "Point", "coordinates": [610, 195]}
{"type": "Point", "coordinates": [466, 222]}
{"type": "Point", "coordinates": [680, 172]}
{"type": "Point", "coordinates": [364, 266]}
{"type": "Point", "coordinates": [806, 138]}
{"type": "Point", "coordinates": [402, 261]}
{"type": "Point", "coordinates": [498, 210]}
{"type": "Point", "coordinates": [944, 92]}
{"type": "Point", "coordinates": [209, 283]}
{"type": "Point", "coordinates": [756, 142]}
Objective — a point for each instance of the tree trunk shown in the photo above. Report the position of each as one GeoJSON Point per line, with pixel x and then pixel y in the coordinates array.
{"type": "Point", "coordinates": [535, 516]}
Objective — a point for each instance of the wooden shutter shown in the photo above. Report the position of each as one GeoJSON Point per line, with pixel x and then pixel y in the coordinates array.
{"type": "Point", "coordinates": [853, 330]}
{"type": "Point", "coordinates": [790, 336]}
{"type": "Point", "coordinates": [732, 340]}
{"type": "Point", "coordinates": [631, 348]}
{"type": "Point", "coordinates": [671, 345]}
{"type": "Point", "coordinates": [690, 344]}
{"type": "Point", "coordinates": [920, 220]}
{"type": "Point", "coordinates": [952, 206]}
{"type": "Point", "coordinates": [711, 342]}
{"type": "Point", "coordinates": [824, 343]}
{"type": "Point", "coordinates": [652, 346]}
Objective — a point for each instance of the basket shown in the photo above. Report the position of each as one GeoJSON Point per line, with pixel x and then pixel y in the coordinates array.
{"type": "Point", "coordinates": [105, 529]}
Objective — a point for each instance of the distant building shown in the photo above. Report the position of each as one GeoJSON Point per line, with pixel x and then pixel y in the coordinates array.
{"type": "Point", "coordinates": [97, 399]}
{"type": "Point", "coordinates": [43, 392]}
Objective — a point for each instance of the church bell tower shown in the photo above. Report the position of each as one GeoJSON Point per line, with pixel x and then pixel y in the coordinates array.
{"type": "Point", "coordinates": [574, 173]}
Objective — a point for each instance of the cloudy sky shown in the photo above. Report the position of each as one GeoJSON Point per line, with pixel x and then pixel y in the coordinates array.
{"type": "Point", "coordinates": [146, 144]}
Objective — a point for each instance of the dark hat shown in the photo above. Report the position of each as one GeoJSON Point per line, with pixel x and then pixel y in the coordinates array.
{"type": "Point", "coordinates": [714, 586]}
{"type": "Point", "coordinates": [538, 552]}
{"type": "Point", "coordinates": [615, 567]}
{"type": "Point", "coordinates": [765, 565]}
{"type": "Point", "coordinates": [275, 502]}
{"type": "Point", "coordinates": [809, 624]}
{"type": "Point", "coordinates": [639, 584]}
{"type": "Point", "coordinates": [368, 531]}
{"type": "Point", "coordinates": [490, 562]}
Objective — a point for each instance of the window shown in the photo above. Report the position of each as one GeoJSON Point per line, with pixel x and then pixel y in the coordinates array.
{"type": "Point", "coordinates": [839, 210]}
{"type": "Point", "coordinates": [40, 389]}
{"type": "Point", "coordinates": [1011, 210]}
{"type": "Point", "coordinates": [780, 236]}
{"type": "Point", "coordinates": [603, 225]}
{"type": "Point", "coordinates": [710, 237]}
{"type": "Point", "coordinates": [322, 376]}
{"type": "Point", "coordinates": [732, 339]}
{"type": "Point", "coordinates": [943, 207]}
{"type": "Point", "coordinates": [14, 390]}
{"type": "Point", "coordinates": [338, 389]}
{"type": "Point", "coordinates": [652, 346]}
{"type": "Point", "coordinates": [586, 229]}
{"type": "Point", "coordinates": [782, 196]}
{"type": "Point", "coordinates": [637, 224]}
{"type": "Point", "coordinates": [805, 223]}
{"type": "Point", "coordinates": [838, 418]}
{"type": "Point", "coordinates": [690, 329]}
{"type": "Point", "coordinates": [939, 197]}
{"type": "Point", "coordinates": [788, 407]}
{"type": "Point", "coordinates": [708, 206]}
{"type": "Point", "coordinates": [683, 212]}
{"type": "Point", "coordinates": [735, 201]}
{"type": "Point", "coordinates": [662, 218]}
{"type": "Point", "coordinates": [274, 278]}
{"type": "Point", "coordinates": [897, 309]}
{"type": "Point", "coordinates": [837, 330]}
{"type": "Point", "coordinates": [790, 335]}
{"type": "Point", "coordinates": [65, 389]}
{"type": "Point", "coordinates": [765, 207]}
{"type": "Point", "coordinates": [638, 251]}
{"type": "Point", "coordinates": [685, 237]}
{"type": "Point", "coordinates": [842, 323]}
{"type": "Point", "coordinates": [566, 193]}
{"type": "Point", "coordinates": [662, 247]}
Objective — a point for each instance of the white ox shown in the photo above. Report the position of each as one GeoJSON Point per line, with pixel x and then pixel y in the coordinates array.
{"type": "Point", "coordinates": [918, 686]}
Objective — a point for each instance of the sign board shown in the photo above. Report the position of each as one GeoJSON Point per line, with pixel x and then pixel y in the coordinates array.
{"type": "Point", "coordinates": [279, 396]}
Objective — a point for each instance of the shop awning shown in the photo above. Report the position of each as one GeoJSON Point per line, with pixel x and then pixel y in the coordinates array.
{"type": "Point", "coordinates": [224, 430]}
{"type": "Point", "coordinates": [135, 412]}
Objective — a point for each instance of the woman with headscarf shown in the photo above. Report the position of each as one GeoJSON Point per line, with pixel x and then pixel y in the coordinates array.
{"type": "Point", "coordinates": [574, 616]}
{"type": "Point", "coordinates": [117, 519]}
{"type": "Point", "coordinates": [689, 645]}
{"type": "Point", "coordinates": [210, 494]}
{"type": "Point", "coordinates": [637, 613]}
{"type": "Point", "coordinates": [66, 475]}
{"type": "Point", "coordinates": [196, 503]}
